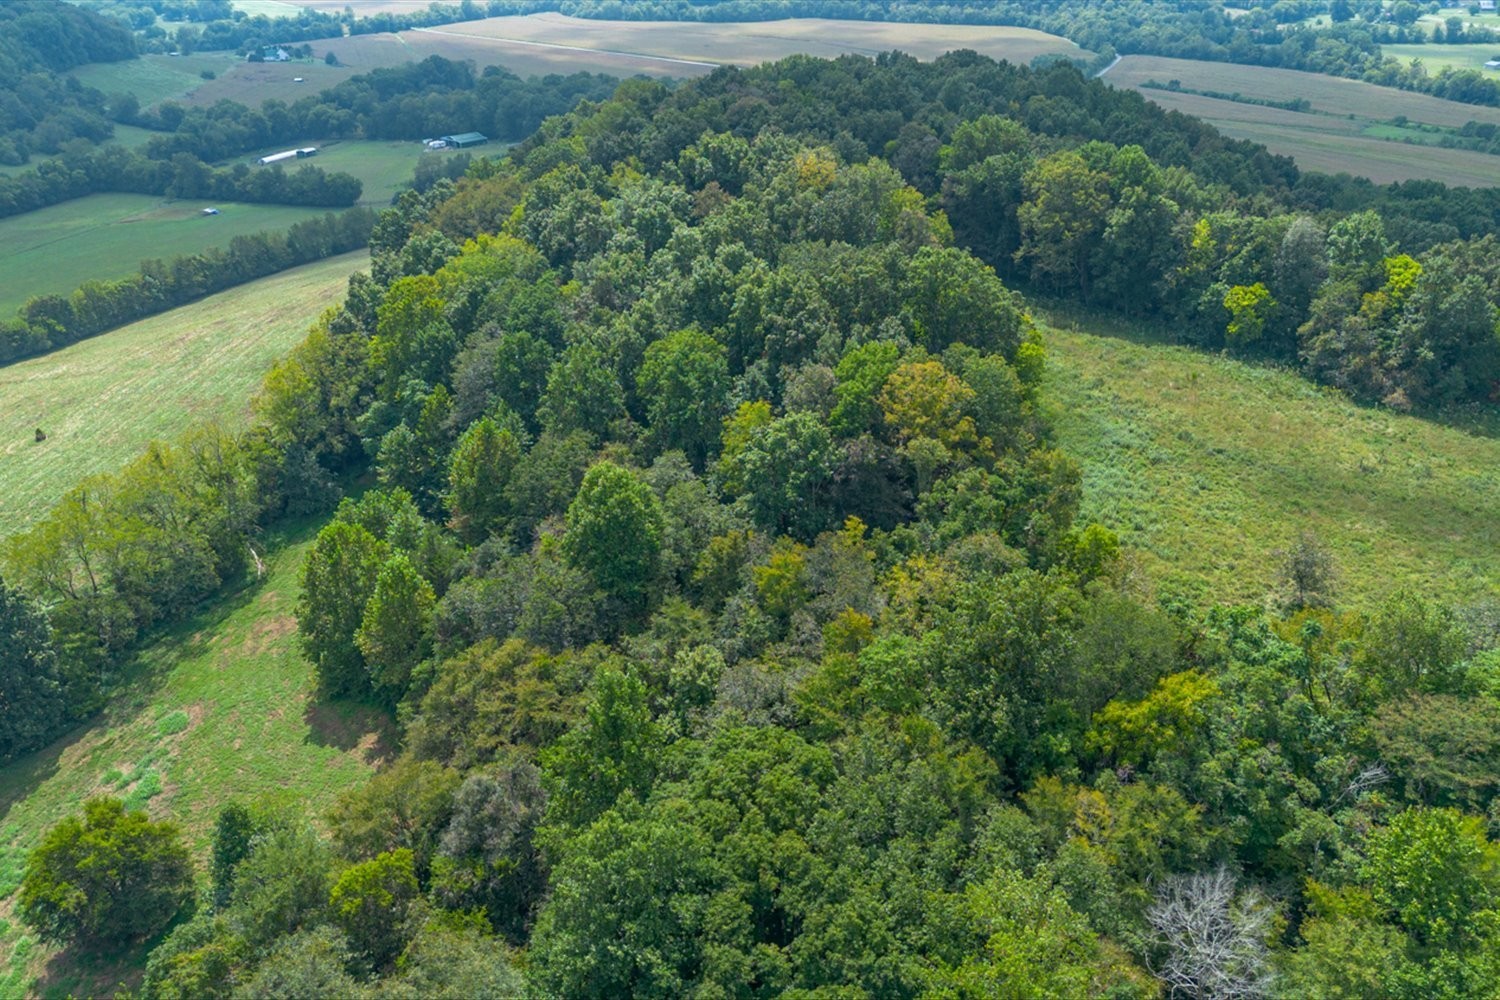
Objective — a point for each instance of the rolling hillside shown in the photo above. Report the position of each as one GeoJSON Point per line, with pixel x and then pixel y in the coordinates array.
{"type": "Point", "coordinates": [102, 400]}
{"type": "Point", "coordinates": [1207, 466]}
{"type": "Point", "coordinates": [220, 707]}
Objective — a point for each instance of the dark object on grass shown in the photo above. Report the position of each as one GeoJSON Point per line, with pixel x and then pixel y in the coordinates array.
{"type": "Point", "coordinates": [40, 435]}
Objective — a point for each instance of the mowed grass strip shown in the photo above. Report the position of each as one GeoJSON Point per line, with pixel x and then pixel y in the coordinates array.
{"type": "Point", "coordinates": [220, 708]}
{"type": "Point", "coordinates": [1438, 57]}
{"type": "Point", "coordinates": [105, 236]}
{"type": "Point", "coordinates": [1207, 466]}
{"type": "Point", "coordinates": [101, 401]}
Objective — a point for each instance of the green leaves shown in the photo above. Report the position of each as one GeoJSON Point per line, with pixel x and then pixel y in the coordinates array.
{"type": "Point", "coordinates": [615, 533]}
{"type": "Point", "coordinates": [105, 880]}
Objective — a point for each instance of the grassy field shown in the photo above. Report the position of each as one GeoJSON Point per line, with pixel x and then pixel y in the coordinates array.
{"type": "Point", "coordinates": [156, 78]}
{"type": "Point", "coordinates": [103, 399]}
{"type": "Point", "coordinates": [104, 236]}
{"type": "Point", "coordinates": [221, 707]}
{"type": "Point", "coordinates": [382, 166]}
{"type": "Point", "coordinates": [555, 43]}
{"type": "Point", "coordinates": [1207, 466]}
{"type": "Point", "coordinates": [253, 83]}
{"type": "Point", "coordinates": [1436, 57]}
{"type": "Point", "coordinates": [1343, 131]}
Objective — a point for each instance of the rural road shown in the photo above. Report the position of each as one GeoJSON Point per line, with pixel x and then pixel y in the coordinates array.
{"type": "Point", "coordinates": [1109, 67]}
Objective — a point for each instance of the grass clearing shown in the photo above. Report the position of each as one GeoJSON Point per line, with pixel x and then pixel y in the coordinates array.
{"type": "Point", "coordinates": [53, 250]}
{"type": "Point", "coordinates": [1206, 466]}
{"type": "Point", "coordinates": [253, 83]}
{"type": "Point", "coordinates": [383, 166]}
{"type": "Point", "coordinates": [1346, 130]}
{"type": "Point", "coordinates": [538, 44]}
{"type": "Point", "coordinates": [101, 401]}
{"type": "Point", "coordinates": [155, 78]}
{"type": "Point", "coordinates": [254, 731]}
{"type": "Point", "coordinates": [1438, 57]}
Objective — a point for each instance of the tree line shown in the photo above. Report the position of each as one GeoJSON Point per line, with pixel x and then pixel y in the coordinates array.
{"type": "Point", "coordinates": [48, 322]}
{"type": "Point", "coordinates": [735, 607]}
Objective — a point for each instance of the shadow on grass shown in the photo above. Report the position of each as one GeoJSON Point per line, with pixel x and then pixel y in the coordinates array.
{"type": "Point", "coordinates": [1474, 419]}
{"type": "Point", "coordinates": [76, 971]}
{"type": "Point", "coordinates": [353, 726]}
{"type": "Point", "coordinates": [150, 663]}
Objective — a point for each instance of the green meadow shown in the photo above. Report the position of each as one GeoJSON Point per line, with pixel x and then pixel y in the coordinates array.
{"type": "Point", "coordinates": [1207, 466]}
{"type": "Point", "coordinates": [102, 400]}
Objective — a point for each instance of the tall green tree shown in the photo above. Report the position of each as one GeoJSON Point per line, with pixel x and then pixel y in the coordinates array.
{"type": "Point", "coordinates": [31, 701]}
{"type": "Point", "coordinates": [106, 879]}
{"type": "Point", "coordinates": [615, 533]}
{"type": "Point", "coordinates": [478, 472]}
{"type": "Point", "coordinates": [337, 580]}
{"type": "Point", "coordinates": [395, 631]}
{"type": "Point", "coordinates": [684, 381]}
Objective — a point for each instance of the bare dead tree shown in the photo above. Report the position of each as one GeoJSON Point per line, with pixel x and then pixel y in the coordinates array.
{"type": "Point", "coordinates": [1215, 939]}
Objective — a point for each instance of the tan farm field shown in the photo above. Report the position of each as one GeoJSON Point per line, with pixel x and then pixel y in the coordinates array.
{"type": "Point", "coordinates": [1343, 132]}
{"type": "Point", "coordinates": [555, 43]}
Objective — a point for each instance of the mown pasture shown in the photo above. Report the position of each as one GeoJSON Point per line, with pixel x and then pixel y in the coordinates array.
{"type": "Point", "coordinates": [1330, 95]}
{"type": "Point", "coordinates": [221, 707]}
{"type": "Point", "coordinates": [1438, 57]}
{"type": "Point", "coordinates": [1208, 466]}
{"type": "Point", "coordinates": [382, 166]}
{"type": "Point", "coordinates": [105, 236]}
{"type": "Point", "coordinates": [102, 400]}
{"type": "Point", "coordinates": [155, 77]}
{"type": "Point", "coordinates": [1345, 128]}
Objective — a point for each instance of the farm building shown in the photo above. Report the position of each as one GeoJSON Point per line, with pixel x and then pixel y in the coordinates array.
{"type": "Point", "coordinates": [287, 154]}
{"type": "Point", "coordinates": [464, 139]}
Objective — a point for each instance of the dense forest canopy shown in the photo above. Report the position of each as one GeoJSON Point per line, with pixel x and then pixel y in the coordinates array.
{"type": "Point", "coordinates": [716, 560]}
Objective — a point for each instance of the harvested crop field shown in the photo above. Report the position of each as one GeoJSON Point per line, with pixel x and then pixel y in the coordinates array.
{"type": "Point", "coordinates": [1346, 127]}
{"type": "Point", "coordinates": [555, 43]}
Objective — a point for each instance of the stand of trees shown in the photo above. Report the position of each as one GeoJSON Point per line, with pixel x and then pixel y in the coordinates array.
{"type": "Point", "coordinates": [732, 600]}
{"type": "Point", "coordinates": [41, 110]}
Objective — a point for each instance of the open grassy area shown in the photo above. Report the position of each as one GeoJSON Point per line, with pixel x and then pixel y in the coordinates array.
{"type": "Point", "coordinates": [1436, 57]}
{"type": "Point", "coordinates": [253, 83]}
{"type": "Point", "coordinates": [221, 707]}
{"type": "Point", "coordinates": [1344, 129]}
{"type": "Point", "coordinates": [1207, 466]}
{"type": "Point", "coordinates": [1331, 95]}
{"type": "Point", "coordinates": [103, 399]}
{"type": "Point", "coordinates": [383, 166]}
{"type": "Point", "coordinates": [555, 43]}
{"type": "Point", "coordinates": [54, 250]}
{"type": "Point", "coordinates": [155, 78]}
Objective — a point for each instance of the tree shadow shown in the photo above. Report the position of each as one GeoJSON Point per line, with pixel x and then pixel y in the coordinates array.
{"type": "Point", "coordinates": [148, 665]}
{"type": "Point", "coordinates": [78, 971]}
{"type": "Point", "coordinates": [352, 726]}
